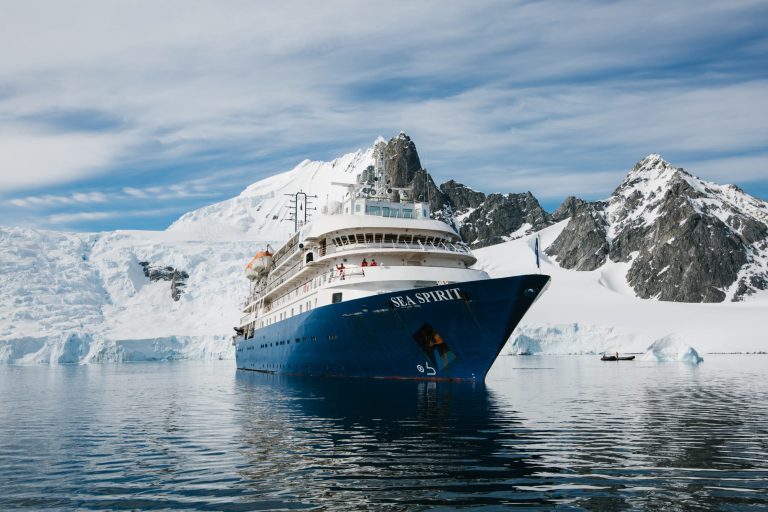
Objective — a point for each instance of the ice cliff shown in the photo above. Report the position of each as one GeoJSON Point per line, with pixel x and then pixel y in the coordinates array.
{"type": "Point", "coordinates": [141, 295]}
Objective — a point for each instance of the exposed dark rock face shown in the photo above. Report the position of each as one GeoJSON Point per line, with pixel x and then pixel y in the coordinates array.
{"type": "Point", "coordinates": [178, 278]}
{"type": "Point", "coordinates": [402, 160]}
{"type": "Point", "coordinates": [425, 190]}
{"type": "Point", "coordinates": [687, 240]}
{"type": "Point", "coordinates": [461, 197]}
{"type": "Point", "coordinates": [570, 208]}
{"type": "Point", "coordinates": [481, 220]}
{"type": "Point", "coordinates": [499, 216]}
{"type": "Point", "coordinates": [367, 175]}
{"type": "Point", "coordinates": [585, 247]}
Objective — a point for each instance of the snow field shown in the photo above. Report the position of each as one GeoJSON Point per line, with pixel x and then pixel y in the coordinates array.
{"type": "Point", "coordinates": [79, 298]}
{"type": "Point", "coordinates": [595, 312]}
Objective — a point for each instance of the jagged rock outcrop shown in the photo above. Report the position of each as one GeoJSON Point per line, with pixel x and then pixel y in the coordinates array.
{"type": "Point", "coordinates": [480, 220]}
{"type": "Point", "coordinates": [687, 240]}
{"type": "Point", "coordinates": [425, 190]}
{"type": "Point", "coordinates": [178, 278]}
{"type": "Point", "coordinates": [401, 160]}
{"type": "Point", "coordinates": [570, 208]}
{"type": "Point", "coordinates": [461, 197]}
{"type": "Point", "coordinates": [503, 217]}
{"type": "Point", "coordinates": [585, 247]}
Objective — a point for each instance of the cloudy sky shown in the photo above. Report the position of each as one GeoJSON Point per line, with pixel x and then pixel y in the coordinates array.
{"type": "Point", "coordinates": [123, 115]}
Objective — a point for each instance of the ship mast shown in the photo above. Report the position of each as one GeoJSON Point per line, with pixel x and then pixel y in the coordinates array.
{"type": "Point", "coordinates": [299, 207]}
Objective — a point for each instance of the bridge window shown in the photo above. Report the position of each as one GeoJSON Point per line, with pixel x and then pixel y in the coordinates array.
{"type": "Point", "coordinates": [336, 298]}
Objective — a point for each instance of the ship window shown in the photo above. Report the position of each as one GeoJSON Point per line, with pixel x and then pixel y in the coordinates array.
{"type": "Point", "coordinates": [374, 210]}
{"type": "Point", "coordinates": [357, 207]}
{"type": "Point", "coordinates": [336, 298]}
{"type": "Point", "coordinates": [407, 213]}
{"type": "Point", "coordinates": [385, 211]}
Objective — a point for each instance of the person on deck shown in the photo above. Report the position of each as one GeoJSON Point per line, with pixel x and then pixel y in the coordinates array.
{"type": "Point", "coordinates": [373, 262]}
{"type": "Point", "coordinates": [340, 268]}
{"type": "Point", "coordinates": [364, 263]}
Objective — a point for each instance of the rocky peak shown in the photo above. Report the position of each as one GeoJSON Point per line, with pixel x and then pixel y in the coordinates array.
{"type": "Point", "coordinates": [651, 169]}
{"type": "Point", "coordinates": [461, 196]}
{"type": "Point", "coordinates": [569, 208]}
{"type": "Point", "coordinates": [687, 240]}
{"type": "Point", "coordinates": [502, 217]}
{"type": "Point", "coordinates": [401, 160]}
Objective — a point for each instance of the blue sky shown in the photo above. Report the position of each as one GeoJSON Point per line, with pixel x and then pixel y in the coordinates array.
{"type": "Point", "coordinates": [125, 115]}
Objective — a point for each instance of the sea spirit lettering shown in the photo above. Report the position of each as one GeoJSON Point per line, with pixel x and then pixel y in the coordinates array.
{"type": "Point", "coordinates": [405, 301]}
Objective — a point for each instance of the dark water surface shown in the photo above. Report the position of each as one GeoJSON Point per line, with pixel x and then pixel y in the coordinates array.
{"type": "Point", "coordinates": [544, 432]}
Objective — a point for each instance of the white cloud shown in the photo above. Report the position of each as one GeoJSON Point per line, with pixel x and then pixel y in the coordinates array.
{"type": "Point", "coordinates": [565, 89]}
{"type": "Point", "coordinates": [731, 169]}
{"type": "Point", "coordinates": [38, 160]}
{"type": "Point", "coordinates": [192, 188]}
{"type": "Point", "coordinates": [79, 217]}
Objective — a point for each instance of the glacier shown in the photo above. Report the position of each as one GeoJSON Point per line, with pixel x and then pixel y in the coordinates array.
{"type": "Point", "coordinates": [84, 297]}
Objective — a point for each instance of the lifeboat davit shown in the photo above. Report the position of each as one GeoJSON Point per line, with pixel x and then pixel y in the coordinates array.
{"type": "Point", "coordinates": [258, 267]}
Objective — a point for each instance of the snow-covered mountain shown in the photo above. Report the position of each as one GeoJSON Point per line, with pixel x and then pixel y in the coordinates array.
{"type": "Point", "coordinates": [597, 311]}
{"type": "Point", "coordinates": [684, 239]}
{"type": "Point", "coordinates": [260, 212]}
{"type": "Point", "coordinates": [139, 295]}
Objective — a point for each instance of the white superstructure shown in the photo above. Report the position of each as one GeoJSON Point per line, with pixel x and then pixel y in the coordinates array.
{"type": "Point", "coordinates": [375, 241]}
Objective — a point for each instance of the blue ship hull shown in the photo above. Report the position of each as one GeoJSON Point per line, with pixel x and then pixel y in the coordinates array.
{"type": "Point", "coordinates": [448, 332]}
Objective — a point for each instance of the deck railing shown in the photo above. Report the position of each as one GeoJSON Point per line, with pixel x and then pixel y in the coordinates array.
{"type": "Point", "coordinates": [408, 246]}
{"type": "Point", "coordinates": [331, 249]}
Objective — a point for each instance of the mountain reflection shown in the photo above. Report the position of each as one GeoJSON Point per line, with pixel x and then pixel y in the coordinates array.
{"type": "Point", "coordinates": [369, 443]}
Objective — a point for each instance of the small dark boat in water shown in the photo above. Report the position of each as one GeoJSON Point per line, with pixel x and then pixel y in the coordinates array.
{"type": "Point", "coordinates": [616, 358]}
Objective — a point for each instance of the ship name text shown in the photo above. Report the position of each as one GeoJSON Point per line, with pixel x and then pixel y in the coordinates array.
{"type": "Point", "coordinates": [404, 301]}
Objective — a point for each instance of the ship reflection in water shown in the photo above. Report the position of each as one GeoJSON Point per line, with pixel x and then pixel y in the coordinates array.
{"type": "Point", "coordinates": [341, 442]}
{"type": "Point", "coordinates": [544, 432]}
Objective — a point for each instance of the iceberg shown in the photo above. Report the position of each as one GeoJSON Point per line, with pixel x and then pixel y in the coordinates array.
{"type": "Point", "coordinates": [671, 348]}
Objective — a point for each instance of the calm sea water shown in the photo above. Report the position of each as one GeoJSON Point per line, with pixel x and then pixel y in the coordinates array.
{"type": "Point", "coordinates": [543, 432]}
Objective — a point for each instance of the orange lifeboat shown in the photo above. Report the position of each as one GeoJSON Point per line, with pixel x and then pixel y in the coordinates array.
{"type": "Point", "coordinates": [259, 265]}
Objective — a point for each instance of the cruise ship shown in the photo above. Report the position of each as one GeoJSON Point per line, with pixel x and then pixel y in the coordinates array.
{"type": "Point", "coordinates": [373, 287]}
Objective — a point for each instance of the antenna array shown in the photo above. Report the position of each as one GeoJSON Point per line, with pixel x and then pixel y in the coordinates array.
{"type": "Point", "coordinates": [299, 207]}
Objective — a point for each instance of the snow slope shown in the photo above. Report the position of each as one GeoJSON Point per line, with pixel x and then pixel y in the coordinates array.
{"type": "Point", "coordinates": [74, 297]}
{"type": "Point", "coordinates": [596, 311]}
{"type": "Point", "coordinates": [80, 297]}
{"type": "Point", "coordinates": [84, 297]}
{"type": "Point", "coordinates": [260, 212]}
